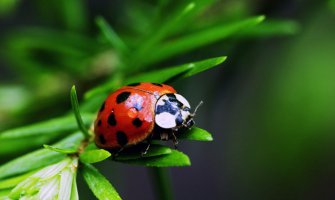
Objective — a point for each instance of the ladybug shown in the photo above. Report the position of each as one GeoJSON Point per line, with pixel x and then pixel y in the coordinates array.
{"type": "Point", "coordinates": [139, 112]}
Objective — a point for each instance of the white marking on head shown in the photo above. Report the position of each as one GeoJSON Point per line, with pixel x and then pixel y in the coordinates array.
{"type": "Point", "coordinates": [165, 120]}
{"type": "Point", "coordinates": [183, 100]}
{"type": "Point", "coordinates": [185, 114]}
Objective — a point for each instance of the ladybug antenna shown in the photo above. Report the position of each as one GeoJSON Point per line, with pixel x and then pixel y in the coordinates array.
{"type": "Point", "coordinates": [196, 108]}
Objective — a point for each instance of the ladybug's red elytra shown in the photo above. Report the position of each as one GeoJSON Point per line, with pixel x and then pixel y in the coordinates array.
{"type": "Point", "coordinates": [138, 111]}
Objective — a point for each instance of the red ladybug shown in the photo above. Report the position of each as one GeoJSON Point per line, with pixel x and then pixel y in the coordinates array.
{"type": "Point", "coordinates": [138, 111]}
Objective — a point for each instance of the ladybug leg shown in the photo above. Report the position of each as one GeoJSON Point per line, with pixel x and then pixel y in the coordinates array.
{"type": "Point", "coordinates": [145, 151]}
{"type": "Point", "coordinates": [164, 136]}
{"type": "Point", "coordinates": [174, 139]}
{"type": "Point", "coordinates": [115, 154]}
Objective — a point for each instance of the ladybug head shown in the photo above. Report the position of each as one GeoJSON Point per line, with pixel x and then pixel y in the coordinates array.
{"type": "Point", "coordinates": [172, 111]}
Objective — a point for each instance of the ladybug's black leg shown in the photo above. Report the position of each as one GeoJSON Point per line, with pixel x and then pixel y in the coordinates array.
{"type": "Point", "coordinates": [174, 139]}
{"type": "Point", "coordinates": [115, 154]}
{"type": "Point", "coordinates": [145, 151]}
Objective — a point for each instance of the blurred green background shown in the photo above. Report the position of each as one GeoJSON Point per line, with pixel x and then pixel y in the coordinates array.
{"type": "Point", "coordinates": [270, 106]}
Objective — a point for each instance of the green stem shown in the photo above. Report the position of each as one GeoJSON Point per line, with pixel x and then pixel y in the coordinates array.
{"type": "Point", "coordinates": [162, 183]}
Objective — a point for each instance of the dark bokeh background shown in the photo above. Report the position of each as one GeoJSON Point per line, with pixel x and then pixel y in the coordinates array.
{"type": "Point", "coordinates": [270, 108]}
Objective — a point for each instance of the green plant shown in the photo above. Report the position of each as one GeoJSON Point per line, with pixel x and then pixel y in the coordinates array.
{"type": "Point", "coordinates": [80, 146]}
{"type": "Point", "coordinates": [128, 60]}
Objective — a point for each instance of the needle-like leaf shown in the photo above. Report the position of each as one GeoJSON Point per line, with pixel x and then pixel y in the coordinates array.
{"type": "Point", "coordinates": [59, 150]}
{"type": "Point", "coordinates": [196, 134]}
{"type": "Point", "coordinates": [173, 159]}
{"type": "Point", "coordinates": [163, 75]}
{"type": "Point", "coordinates": [199, 39]}
{"type": "Point", "coordinates": [111, 36]}
{"type": "Point", "coordinates": [99, 185]}
{"type": "Point", "coordinates": [12, 182]}
{"type": "Point", "coordinates": [93, 156]}
{"type": "Point", "coordinates": [154, 150]}
{"type": "Point", "coordinates": [28, 137]}
{"type": "Point", "coordinates": [40, 158]}
{"type": "Point", "coordinates": [75, 107]}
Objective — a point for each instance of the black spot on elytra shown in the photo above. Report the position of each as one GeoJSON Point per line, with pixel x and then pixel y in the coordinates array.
{"type": "Point", "coordinates": [134, 84]}
{"type": "Point", "coordinates": [102, 139]}
{"type": "Point", "coordinates": [102, 108]}
{"type": "Point", "coordinates": [137, 122]}
{"type": "Point", "coordinates": [111, 119]}
{"type": "Point", "coordinates": [157, 84]}
{"type": "Point", "coordinates": [99, 122]}
{"type": "Point", "coordinates": [122, 97]}
{"type": "Point", "coordinates": [122, 138]}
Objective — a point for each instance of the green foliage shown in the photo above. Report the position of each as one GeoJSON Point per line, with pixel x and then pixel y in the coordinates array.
{"type": "Point", "coordinates": [99, 185]}
{"type": "Point", "coordinates": [272, 28]}
{"type": "Point", "coordinates": [162, 32]}
{"type": "Point", "coordinates": [197, 134]}
{"type": "Point", "coordinates": [69, 48]}
{"type": "Point", "coordinates": [4, 193]}
{"type": "Point", "coordinates": [111, 36]}
{"type": "Point", "coordinates": [59, 150]}
{"type": "Point", "coordinates": [173, 159]}
{"type": "Point", "coordinates": [49, 127]}
{"type": "Point", "coordinates": [74, 191]}
{"type": "Point", "coordinates": [120, 55]}
{"type": "Point", "coordinates": [162, 183]}
{"type": "Point", "coordinates": [53, 181]}
{"type": "Point", "coordinates": [6, 6]}
{"type": "Point", "coordinates": [205, 37]}
{"type": "Point", "coordinates": [75, 108]}
{"type": "Point", "coordinates": [19, 139]}
{"type": "Point", "coordinates": [73, 14]}
{"type": "Point", "coordinates": [93, 156]}
{"type": "Point", "coordinates": [41, 158]}
{"type": "Point", "coordinates": [331, 4]}
{"type": "Point", "coordinates": [161, 76]}
{"type": "Point", "coordinates": [12, 182]}
{"type": "Point", "coordinates": [154, 150]}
